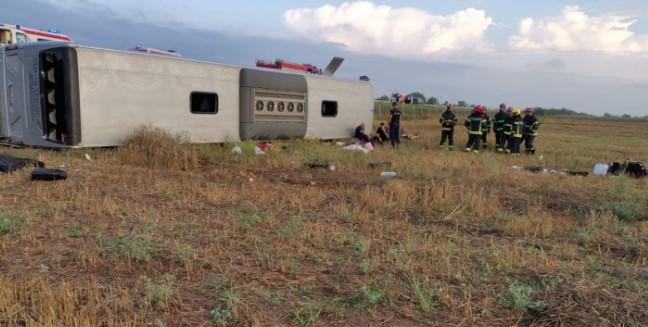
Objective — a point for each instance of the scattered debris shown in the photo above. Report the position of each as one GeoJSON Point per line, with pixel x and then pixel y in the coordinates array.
{"type": "Point", "coordinates": [340, 143]}
{"type": "Point", "coordinates": [382, 164]}
{"type": "Point", "coordinates": [550, 171]}
{"type": "Point", "coordinates": [258, 151]}
{"type": "Point", "coordinates": [408, 136]}
{"type": "Point", "coordinates": [388, 174]}
{"type": "Point", "coordinates": [634, 169]}
{"type": "Point", "coordinates": [266, 146]}
{"type": "Point", "coordinates": [48, 175]}
{"type": "Point", "coordinates": [11, 163]}
{"type": "Point", "coordinates": [314, 165]}
{"type": "Point", "coordinates": [356, 147]}
{"type": "Point", "coordinates": [237, 150]}
{"type": "Point", "coordinates": [577, 173]}
{"type": "Point", "coordinates": [87, 156]}
{"type": "Point", "coordinates": [601, 169]}
{"type": "Point", "coordinates": [318, 165]}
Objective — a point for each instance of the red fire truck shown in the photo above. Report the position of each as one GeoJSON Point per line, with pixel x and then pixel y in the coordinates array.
{"type": "Point", "coordinates": [14, 34]}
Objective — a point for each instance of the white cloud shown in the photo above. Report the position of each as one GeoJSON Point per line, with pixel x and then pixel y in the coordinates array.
{"type": "Point", "coordinates": [363, 26]}
{"type": "Point", "coordinates": [574, 30]}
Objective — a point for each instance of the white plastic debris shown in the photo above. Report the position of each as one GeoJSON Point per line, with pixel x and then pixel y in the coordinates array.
{"type": "Point", "coordinates": [356, 147]}
{"type": "Point", "coordinates": [516, 167]}
{"type": "Point", "coordinates": [237, 150]}
{"type": "Point", "coordinates": [388, 174]}
{"type": "Point", "coordinates": [601, 169]}
{"type": "Point", "coordinates": [87, 156]}
{"type": "Point", "coordinates": [258, 151]}
{"type": "Point", "coordinates": [340, 144]}
{"type": "Point", "coordinates": [332, 168]}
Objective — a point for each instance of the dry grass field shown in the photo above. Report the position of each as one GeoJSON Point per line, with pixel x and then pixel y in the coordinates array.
{"type": "Point", "coordinates": [195, 236]}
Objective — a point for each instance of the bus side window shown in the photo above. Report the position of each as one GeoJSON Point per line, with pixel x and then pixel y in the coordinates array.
{"type": "Point", "coordinates": [5, 37]}
{"type": "Point", "coordinates": [21, 38]}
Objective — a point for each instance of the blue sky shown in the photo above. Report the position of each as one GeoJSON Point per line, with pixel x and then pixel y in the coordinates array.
{"type": "Point", "coordinates": [589, 55]}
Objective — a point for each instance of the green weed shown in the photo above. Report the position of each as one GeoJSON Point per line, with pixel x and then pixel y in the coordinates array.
{"type": "Point", "coordinates": [136, 248]}
{"type": "Point", "coordinates": [9, 223]}
{"type": "Point", "coordinates": [306, 314]}
{"type": "Point", "coordinates": [423, 294]}
{"type": "Point", "coordinates": [159, 293]}
{"type": "Point", "coordinates": [518, 296]}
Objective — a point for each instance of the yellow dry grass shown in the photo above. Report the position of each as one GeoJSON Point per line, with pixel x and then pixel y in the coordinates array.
{"type": "Point", "coordinates": [160, 233]}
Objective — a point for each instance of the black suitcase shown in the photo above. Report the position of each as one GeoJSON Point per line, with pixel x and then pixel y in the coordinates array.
{"type": "Point", "coordinates": [48, 175]}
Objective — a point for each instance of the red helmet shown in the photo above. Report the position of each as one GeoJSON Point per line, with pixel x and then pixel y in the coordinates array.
{"type": "Point", "coordinates": [479, 109]}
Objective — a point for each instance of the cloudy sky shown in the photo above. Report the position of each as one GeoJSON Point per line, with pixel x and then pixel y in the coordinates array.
{"type": "Point", "coordinates": [588, 55]}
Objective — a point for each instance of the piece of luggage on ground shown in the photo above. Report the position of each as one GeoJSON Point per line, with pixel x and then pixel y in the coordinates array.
{"type": "Point", "coordinates": [577, 173]}
{"type": "Point", "coordinates": [385, 164]}
{"type": "Point", "coordinates": [11, 163]}
{"type": "Point", "coordinates": [315, 165]}
{"type": "Point", "coordinates": [636, 170]}
{"type": "Point", "coordinates": [633, 169]}
{"type": "Point", "coordinates": [48, 175]}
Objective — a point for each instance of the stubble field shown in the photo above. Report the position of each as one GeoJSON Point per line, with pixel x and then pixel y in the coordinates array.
{"type": "Point", "coordinates": [213, 239]}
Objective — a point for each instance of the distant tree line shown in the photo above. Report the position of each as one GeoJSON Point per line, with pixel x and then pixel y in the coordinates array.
{"type": "Point", "coordinates": [419, 98]}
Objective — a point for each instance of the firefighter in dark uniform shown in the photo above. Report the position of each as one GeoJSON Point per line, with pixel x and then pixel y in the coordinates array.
{"type": "Point", "coordinates": [394, 125]}
{"type": "Point", "coordinates": [517, 133]}
{"type": "Point", "coordinates": [508, 130]}
{"type": "Point", "coordinates": [487, 129]}
{"type": "Point", "coordinates": [498, 127]}
{"type": "Point", "coordinates": [475, 123]}
{"type": "Point", "coordinates": [448, 122]}
{"type": "Point", "coordinates": [531, 126]}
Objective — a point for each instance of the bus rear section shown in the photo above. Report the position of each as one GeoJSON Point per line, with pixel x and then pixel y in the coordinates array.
{"type": "Point", "coordinates": [38, 100]}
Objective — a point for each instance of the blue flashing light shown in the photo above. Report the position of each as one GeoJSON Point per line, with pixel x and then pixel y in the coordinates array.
{"type": "Point", "coordinates": [18, 27]}
{"type": "Point", "coordinates": [54, 31]}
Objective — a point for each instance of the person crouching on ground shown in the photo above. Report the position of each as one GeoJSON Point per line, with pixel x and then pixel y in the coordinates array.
{"type": "Point", "coordinates": [360, 135]}
{"type": "Point", "coordinates": [394, 125]}
{"type": "Point", "coordinates": [448, 122]}
{"type": "Point", "coordinates": [475, 123]}
{"type": "Point", "coordinates": [531, 126]}
{"type": "Point", "coordinates": [382, 134]}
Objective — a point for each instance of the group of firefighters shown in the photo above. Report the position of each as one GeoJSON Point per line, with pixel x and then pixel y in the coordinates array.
{"type": "Point", "coordinates": [510, 129]}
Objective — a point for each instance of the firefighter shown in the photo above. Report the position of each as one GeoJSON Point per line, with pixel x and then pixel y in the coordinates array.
{"type": "Point", "coordinates": [498, 126]}
{"type": "Point", "coordinates": [508, 130]}
{"type": "Point", "coordinates": [531, 126]}
{"type": "Point", "coordinates": [475, 123]}
{"type": "Point", "coordinates": [394, 125]}
{"type": "Point", "coordinates": [517, 133]}
{"type": "Point", "coordinates": [487, 129]}
{"type": "Point", "coordinates": [448, 122]}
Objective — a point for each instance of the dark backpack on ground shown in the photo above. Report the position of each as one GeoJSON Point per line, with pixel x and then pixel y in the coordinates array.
{"type": "Point", "coordinates": [10, 163]}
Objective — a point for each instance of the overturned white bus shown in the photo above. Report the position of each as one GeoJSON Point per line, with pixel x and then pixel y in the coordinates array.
{"type": "Point", "coordinates": [63, 95]}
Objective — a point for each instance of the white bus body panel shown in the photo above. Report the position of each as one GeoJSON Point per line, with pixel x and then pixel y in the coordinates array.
{"type": "Point", "coordinates": [60, 95]}
{"type": "Point", "coordinates": [355, 106]}
{"type": "Point", "coordinates": [120, 92]}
